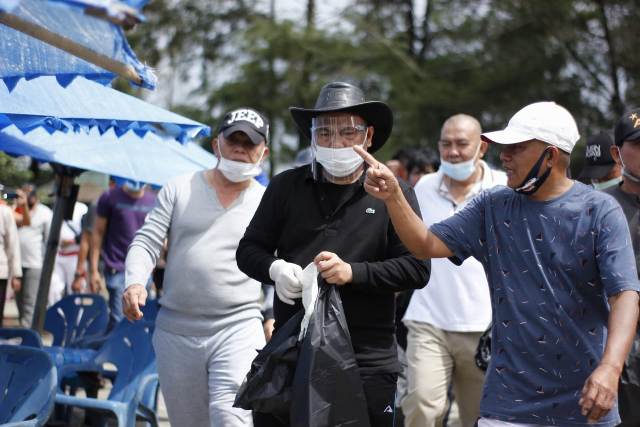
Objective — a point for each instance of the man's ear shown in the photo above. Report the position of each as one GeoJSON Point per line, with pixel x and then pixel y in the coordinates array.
{"type": "Point", "coordinates": [214, 146]}
{"type": "Point", "coordinates": [554, 156]}
{"type": "Point", "coordinates": [370, 132]}
{"type": "Point", "coordinates": [484, 147]}
{"type": "Point", "coordinates": [265, 155]}
{"type": "Point", "coordinates": [615, 153]}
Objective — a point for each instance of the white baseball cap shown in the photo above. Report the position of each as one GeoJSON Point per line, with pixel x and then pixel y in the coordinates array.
{"type": "Point", "coordinates": [545, 121]}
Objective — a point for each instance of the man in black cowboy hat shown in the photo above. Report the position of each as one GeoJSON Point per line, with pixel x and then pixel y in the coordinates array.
{"type": "Point", "coordinates": [320, 213]}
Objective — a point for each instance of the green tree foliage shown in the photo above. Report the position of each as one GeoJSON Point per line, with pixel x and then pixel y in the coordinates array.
{"type": "Point", "coordinates": [10, 175]}
{"type": "Point", "coordinates": [487, 58]}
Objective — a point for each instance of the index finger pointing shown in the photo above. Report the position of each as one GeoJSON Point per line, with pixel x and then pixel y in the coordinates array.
{"type": "Point", "coordinates": [368, 158]}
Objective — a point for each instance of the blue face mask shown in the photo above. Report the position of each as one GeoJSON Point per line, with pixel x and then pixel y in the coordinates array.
{"type": "Point", "coordinates": [459, 171]}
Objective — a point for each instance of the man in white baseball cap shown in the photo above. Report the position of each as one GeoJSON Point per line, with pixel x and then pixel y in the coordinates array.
{"type": "Point", "coordinates": [544, 131]}
{"type": "Point", "coordinates": [560, 267]}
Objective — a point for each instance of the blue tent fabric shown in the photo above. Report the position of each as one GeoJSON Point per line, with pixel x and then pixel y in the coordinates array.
{"type": "Point", "coordinates": [24, 57]}
{"type": "Point", "coordinates": [150, 159]}
{"type": "Point", "coordinates": [85, 104]}
{"type": "Point", "coordinates": [9, 5]}
{"type": "Point", "coordinates": [110, 7]}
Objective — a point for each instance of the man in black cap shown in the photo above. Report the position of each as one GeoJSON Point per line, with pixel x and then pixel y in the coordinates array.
{"type": "Point", "coordinates": [600, 169]}
{"type": "Point", "coordinates": [626, 154]}
{"type": "Point", "coordinates": [320, 213]}
{"type": "Point", "coordinates": [209, 325]}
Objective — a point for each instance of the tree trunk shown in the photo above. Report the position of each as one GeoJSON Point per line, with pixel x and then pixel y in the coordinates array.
{"type": "Point", "coordinates": [305, 74]}
{"type": "Point", "coordinates": [424, 40]}
{"type": "Point", "coordinates": [410, 25]}
{"type": "Point", "coordinates": [273, 160]}
{"type": "Point", "coordinates": [616, 99]}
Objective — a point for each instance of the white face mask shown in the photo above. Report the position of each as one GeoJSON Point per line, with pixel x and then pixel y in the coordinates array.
{"type": "Point", "coordinates": [338, 162]}
{"type": "Point", "coordinates": [606, 184]}
{"type": "Point", "coordinates": [459, 171]}
{"type": "Point", "coordinates": [626, 173]}
{"type": "Point", "coordinates": [236, 171]}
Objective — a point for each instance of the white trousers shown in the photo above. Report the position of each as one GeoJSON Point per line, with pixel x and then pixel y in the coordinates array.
{"type": "Point", "coordinates": [200, 375]}
{"type": "Point", "coordinates": [435, 360]}
{"type": "Point", "coordinates": [487, 422]}
{"type": "Point", "coordinates": [62, 278]}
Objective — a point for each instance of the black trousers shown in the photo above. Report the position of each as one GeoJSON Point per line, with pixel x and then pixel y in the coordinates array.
{"type": "Point", "coordinates": [3, 297]}
{"type": "Point", "coordinates": [628, 399]}
{"type": "Point", "coordinates": [380, 392]}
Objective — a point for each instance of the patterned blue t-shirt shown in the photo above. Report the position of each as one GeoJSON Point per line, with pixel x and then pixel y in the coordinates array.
{"type": "Point", "coordinates": [550, 266]}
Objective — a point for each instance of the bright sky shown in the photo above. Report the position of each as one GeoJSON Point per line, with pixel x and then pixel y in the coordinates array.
{"type": "Point", "coordinates": [327, 11]}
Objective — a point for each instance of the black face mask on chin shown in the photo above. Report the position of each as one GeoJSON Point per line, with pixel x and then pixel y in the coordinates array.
{"type": "Point", "coordinates": [532, 182]}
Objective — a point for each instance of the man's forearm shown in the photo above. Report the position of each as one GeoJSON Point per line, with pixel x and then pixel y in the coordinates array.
{"type": "Point", "coordinates": [623, 320]}
{"type": "Point", "coordinates": [96, 245]}
{"type": "Point", "coordinates": [412, 231]}
{"type": "Point", "coordinates": [83, 252]}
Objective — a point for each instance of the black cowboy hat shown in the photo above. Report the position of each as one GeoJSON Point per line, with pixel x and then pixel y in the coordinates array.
{"type": "Point", "coordinates": [345, 97]}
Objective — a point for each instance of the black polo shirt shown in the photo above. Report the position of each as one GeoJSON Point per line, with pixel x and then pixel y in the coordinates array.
{"type": "Point", "coordinates": [630, 204]}
{"type": "Point", "coordinates": [299, 217]}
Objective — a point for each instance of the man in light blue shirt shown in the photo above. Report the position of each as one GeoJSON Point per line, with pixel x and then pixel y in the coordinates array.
{"type": "Point", "coordinates": [561, 271]}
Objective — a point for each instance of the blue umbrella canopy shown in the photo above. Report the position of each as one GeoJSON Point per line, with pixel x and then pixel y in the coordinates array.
{"type": "Point", "coordinates": [151, 159]}
{"type": "Point", "coordinates": [29, 30]}
{"type": "Point", "coordinates": [111, 8]}
{"type": "Point", "coordinates": [85, 104]}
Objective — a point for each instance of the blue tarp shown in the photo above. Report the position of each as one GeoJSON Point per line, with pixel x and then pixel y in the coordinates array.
{"type": "Point", "coordinates": [22, 56]}
{"type": "Point", "coordinates": [84, 104]}
{"type": "Point", "coordinates": [150, 159]}
{"type": "Point", "coordinates": [110, 7]}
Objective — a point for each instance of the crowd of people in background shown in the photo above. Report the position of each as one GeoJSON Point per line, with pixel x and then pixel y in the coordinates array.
{"type": "Point", "coordinates": [521, 254]}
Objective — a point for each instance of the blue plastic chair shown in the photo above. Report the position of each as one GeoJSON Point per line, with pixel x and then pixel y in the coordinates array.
{"type": "Point", "coordinates": [75, 318]}
{"type": "Point", "coordinates": [27, 386]}
{"type": "Point", "coordinates": [20, 336]}
{"type": "Point", "coordinates": [150, 312]}
{"type": "Point", "coordinates": [129, 348]}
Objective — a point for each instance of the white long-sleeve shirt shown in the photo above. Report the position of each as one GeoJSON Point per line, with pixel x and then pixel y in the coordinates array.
{"type": "Point", "coordinates": [204, 291]}
{"type": "Point", "coordinates": [33, 238]}
{"type": "Point", "coordinates": [10, 263]}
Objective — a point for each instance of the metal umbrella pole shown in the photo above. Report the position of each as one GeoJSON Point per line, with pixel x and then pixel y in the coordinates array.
{"type": "Point", "coordinates": [66, 194]}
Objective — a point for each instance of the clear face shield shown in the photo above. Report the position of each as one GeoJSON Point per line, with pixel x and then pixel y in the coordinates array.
{"type": "Point", "coordinates": [332, 140]}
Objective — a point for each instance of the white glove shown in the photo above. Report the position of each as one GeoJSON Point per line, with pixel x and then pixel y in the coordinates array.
{"type": "Point", "coordinates": [288, 279]}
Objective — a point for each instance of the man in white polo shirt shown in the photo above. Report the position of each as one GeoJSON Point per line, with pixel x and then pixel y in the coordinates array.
{"type": "Point", "coordinates": [446, 318]}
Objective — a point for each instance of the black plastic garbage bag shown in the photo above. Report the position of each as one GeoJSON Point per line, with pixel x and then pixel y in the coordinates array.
{"type": "Point", "coordinates": [312, 383]}
{"type": "Point", "coordinates": [483, 350]}
{"type": "Point", "coordinates": [327, 385]}
{"type": "Point", "coordinates": [267, 387]}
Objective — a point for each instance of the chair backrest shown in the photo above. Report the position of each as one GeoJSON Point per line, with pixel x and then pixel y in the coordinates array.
{"type": "Point", "coordinates": [76, 316]}
{"type": "Point", "coordinates": [129, 348]}
{"type": "Point", "coordinates": [27, 384]}
{"type": "Point", "coordinates": [20, 336]}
